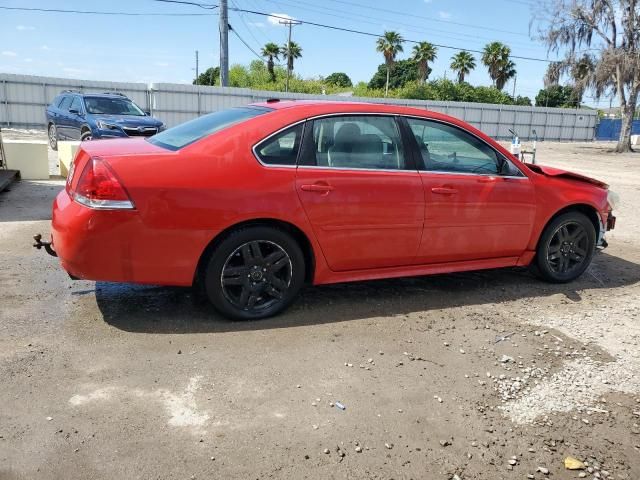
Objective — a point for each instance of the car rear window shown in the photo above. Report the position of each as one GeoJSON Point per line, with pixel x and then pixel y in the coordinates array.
{"type": "Point", "coordinates": [186, 133]}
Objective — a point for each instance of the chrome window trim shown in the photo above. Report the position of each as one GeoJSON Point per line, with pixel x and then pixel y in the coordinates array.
{"type": "Point", "coordinates": [523, 176]}
{"type": "Point", "coordinates": [356, 169]}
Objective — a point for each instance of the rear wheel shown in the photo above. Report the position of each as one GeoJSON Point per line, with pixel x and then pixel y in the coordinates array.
{"type": "Point", "coordinates": [566, 248]}
{"type": "Point", "coordinates": [53, 136]}
{"type": "Point", "coordinates": [254, 273]}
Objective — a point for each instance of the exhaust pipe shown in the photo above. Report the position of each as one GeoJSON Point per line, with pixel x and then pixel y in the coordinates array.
{"type": "Point", "coordinates": [47, 245]}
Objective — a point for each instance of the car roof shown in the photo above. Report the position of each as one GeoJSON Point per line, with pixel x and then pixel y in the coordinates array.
{"type": "Point", "coordinates": [94, 94]}
{"type": "Point", "coordinates": [322, 107]}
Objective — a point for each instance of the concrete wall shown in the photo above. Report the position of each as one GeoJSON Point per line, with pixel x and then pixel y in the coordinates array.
{"type": "Point", "coordinates": [28, 156]}
{"type": "Point", "coordinates": [23, 100]}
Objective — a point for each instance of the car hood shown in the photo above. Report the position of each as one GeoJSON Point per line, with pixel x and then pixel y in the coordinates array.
{"type": "Point", "coordinates": [129, 120]}
{"type": "Point", "coordinates": [559, 173]}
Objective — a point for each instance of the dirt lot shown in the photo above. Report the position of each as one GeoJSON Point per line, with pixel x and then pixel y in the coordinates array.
{"type": "Point", "coordinates": [107, 381]}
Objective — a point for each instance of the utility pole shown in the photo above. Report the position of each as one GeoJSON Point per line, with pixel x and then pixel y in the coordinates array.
{"type": "Point", "coordinates": [515, 77]}
{"type": "Point", "coordinates": [290, 23]}
{"type": "Point", "coordinates": [197, 69]}
{"type": "Point", "coordinates": [224, 43]}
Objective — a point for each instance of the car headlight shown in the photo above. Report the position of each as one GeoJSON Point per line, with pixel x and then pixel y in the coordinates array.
{"type": "Point", "coordinates": [613, 199]}
{"type": "Point", "coordinates": [102, 125]}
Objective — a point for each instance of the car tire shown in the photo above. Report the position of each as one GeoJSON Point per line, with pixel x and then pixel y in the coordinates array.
{"type": "Point", "coordinates": [254, 273]}
{"type": "Point", "coordinates": [86, 136]}
{"type": "Point", "coordinates": [566, 248]}
{"type": "Point", "coordinates": [52, 134]}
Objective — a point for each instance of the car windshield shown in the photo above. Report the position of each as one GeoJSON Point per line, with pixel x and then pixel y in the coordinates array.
{"type": "Point", "coordinates": [186, 133]}
{"type": "Point", "coordinates": [112, 106]}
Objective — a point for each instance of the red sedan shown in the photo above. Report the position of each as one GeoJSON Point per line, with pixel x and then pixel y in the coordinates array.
{"type": "Point", "coordinates": [254, 202]}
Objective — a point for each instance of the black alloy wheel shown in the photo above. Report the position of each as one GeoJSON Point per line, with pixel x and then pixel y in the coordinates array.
{"type": "Point", "coordinates": [254, 273]}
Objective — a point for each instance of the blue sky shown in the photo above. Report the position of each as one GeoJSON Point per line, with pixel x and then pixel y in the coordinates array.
{"type": "Point", "coordinates": [161, 48]}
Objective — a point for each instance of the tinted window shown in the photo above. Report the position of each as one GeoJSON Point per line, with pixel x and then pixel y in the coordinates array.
{"type": "Point", "coordinates": [76, 104]}
{"type": "Point", "coordinates": [358, 141]}
{"type": "Point", "coordinates": [282, 148]}
{"type": "Point", "coordinates": [65, 103]}
{"type": "Point", "coordinates": [56, 101]}
{"type": "Point", "coordinates": [450, 149]}
{"type": "Point", "coordinates": [112, 106]}
{"type": "Point", "coordinates": [193, 130]}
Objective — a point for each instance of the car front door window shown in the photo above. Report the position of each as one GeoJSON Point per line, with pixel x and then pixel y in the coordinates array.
{"type": "Point", "coordinates": [445, 148]}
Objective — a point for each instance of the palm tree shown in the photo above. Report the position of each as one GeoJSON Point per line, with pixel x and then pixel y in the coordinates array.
{"type": "Point", "coordinates": [506, 71]}
{"type": "Point", "coordinates": [423, 53]}
{"type": "Point", "coordinates": [462, 62]}
{"type": "Point", "coordinates": [496, 57]}
{"type": "Point", "coordinates": [290, 54]}
{"type": "Point", "coordinates": [390, 44]}
{"type": "Point", "coordinates": [271, 51]}
{"type": "Point", "coordinates": [582, 71]}
{"type": "Point", "coordinates": [553, 74]}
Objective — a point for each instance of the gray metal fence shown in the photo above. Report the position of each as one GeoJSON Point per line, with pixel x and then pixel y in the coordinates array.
{"type": "Point", "coordinates": [23, 100]}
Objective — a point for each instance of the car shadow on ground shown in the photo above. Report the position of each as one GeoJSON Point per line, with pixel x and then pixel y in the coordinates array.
{"type": "Point", "coordinates": [150, 309]}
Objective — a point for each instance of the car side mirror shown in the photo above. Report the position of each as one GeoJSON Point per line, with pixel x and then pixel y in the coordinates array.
{"type": "Point", "coordinates": [74, 111]}
{"type": "Point", "coordinates": [147, 113]}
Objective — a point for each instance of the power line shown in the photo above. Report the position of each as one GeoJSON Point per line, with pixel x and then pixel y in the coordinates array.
{"type": "Point", "coordinates": [428, 19]}
{"type": "Point", "coordinates": [208, 6]}
{"type": "Point", "coordinates": [233, 30]}
{"type": "Point", "coordinates": [408, 26]}
{"type": "Point", "coordinates": [377, 35]}
{"type": "Point", "coordinates": [91, 12]}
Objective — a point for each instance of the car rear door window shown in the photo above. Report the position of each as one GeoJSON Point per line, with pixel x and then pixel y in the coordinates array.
{"type": "Point", "coordinates": [357, 142]}
{"type": "Point", "coordinates": [282, 148]}
{"type": "Point", "coordinates": [445, 148]}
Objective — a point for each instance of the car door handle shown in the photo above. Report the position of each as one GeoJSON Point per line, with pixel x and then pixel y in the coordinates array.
{"type": "Point", "coordinates": [489, 179]}
{"type": "Point", "coordinates": [444, 190]}
{"type": "Point", "coordinates": [317, 187]}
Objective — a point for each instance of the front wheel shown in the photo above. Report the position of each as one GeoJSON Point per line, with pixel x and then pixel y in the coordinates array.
{"type": "Point", "coordinates": [566, 248]}
{"type": "Point", "coordinates": [86, 136]}
{"type": "Point", "coordinates": [254, 273]}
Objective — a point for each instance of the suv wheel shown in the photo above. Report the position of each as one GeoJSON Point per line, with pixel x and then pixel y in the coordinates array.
{"type": "Point", "coordinates": [53, 136]}
{"type": "Point", "coordinates": [566, 248]}
{"type": "Point", "coordinates": [254, 273]}
{"type": "Point", "coordinates": [86, 135]}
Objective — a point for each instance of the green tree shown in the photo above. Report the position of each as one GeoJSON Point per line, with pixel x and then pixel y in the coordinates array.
{"type": "Point", "coordinates": [404, 71]}
{"type": "Point", "coordinates": [555, 96]}
{"type": "Point", "coordinates": [462, 63]}
{"type": "Point", "coordinates": [339, 79]}
{"type": "Point", "coordinates": [495, 56]}
{"type": "Point", "coordinates": [423, 53]}
{"type": "Point", "coordinates": [290, 53]}
{"type": "Point", "coordinates": [271, 51]}
{"type": "Point", "coordinates": [208, 77]}
{"type": "Point", "coordinates": [390, 44]}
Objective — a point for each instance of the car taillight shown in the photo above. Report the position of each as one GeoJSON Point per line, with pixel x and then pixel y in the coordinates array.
{"type": "Point", "coordinates": [99, 187]}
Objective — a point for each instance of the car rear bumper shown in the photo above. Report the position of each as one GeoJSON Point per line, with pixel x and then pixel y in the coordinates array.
{"type": "Point", "coordinates": [115, 246]}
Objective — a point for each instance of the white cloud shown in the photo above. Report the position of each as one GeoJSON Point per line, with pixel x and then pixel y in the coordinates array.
{"type": "Point", "coordinates": [9, 53]}
{"type": "Point", "coordinates": [444, 15]}
{"type": "Point", "coordinates": [25, 27]}
{"type": "Point", "coordinates": [28, 60]}
{"type": "Point", "coordinates": [276, 18]}
{"type": "Point", "coordinates": [45, 47]}
{"type": "Point", "coordinates": [427, 1]}
{"type": "Point", "coordinates": [162, 64]}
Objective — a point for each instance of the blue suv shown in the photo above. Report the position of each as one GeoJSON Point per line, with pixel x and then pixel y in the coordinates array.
{"type": "Point", "coordinates": [87, 116]}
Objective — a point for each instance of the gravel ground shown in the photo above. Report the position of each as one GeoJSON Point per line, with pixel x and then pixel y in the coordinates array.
{"type": "Point", "coordinates": [483, 375]}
